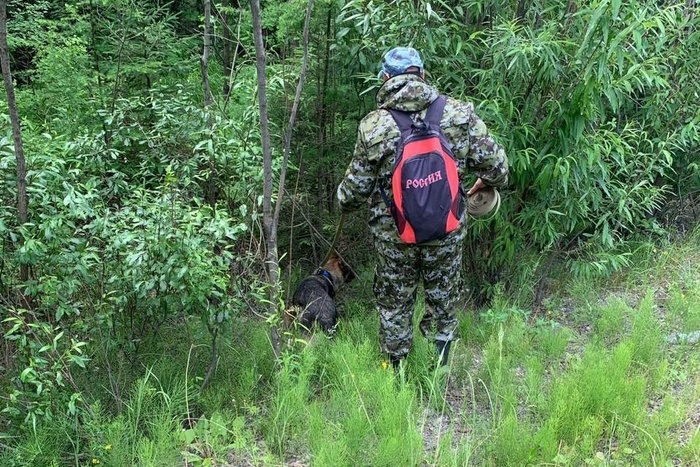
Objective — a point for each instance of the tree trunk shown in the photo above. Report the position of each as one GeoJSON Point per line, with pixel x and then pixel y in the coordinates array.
{"type": "Point", "coordinates": [328, 192]}
{"type": "Point", "coordinates": [96, 59]}
{"type": "Point", "coordinates": [205, 54]}
{"type": "Point", "coordinates": [293, 113]}
{"type": "Point", "coordinates": [272, 259]}
{"type": "Point", "coordinates": [22, 199]}
{"type": "Point", "coordinates": [226, 48]}
{"type": "Point", "coordinates": [321, 171]}
{"type": "Point", "coordinates": [211, 191]}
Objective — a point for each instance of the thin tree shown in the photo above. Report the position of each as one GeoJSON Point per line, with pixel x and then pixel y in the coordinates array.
{"type": "Point", "coordinates": [270, 219]}
{"type": "Point", "coordinates": [520, 13]}
{"type": "Point", "coordinates": [293, 113]}
{"type": "Point", "coordinates": [211, 191]}
{"type": "Point", "coordinates": [322, 174]}
{"type": "Point", "coordinates": [230, 50]}
{"type": "Point", "coordinates": [22, 198]}
{"type": "Point", "coordinates": [226, 45]}
{"type": "Point", "coordinates": [271, 259]}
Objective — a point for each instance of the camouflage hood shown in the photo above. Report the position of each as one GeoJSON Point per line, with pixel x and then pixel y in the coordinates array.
{"type": "Point", "coordinates": [406, 92]}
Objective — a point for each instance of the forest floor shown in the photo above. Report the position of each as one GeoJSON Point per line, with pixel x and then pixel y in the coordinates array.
{"type": "Point", "coordinates": [663, 301]}
{"type": "Point", "coordinates": [465, 412]}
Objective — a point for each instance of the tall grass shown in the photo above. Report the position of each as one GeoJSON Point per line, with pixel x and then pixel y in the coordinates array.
{"type": "Point", "coordinates": [336, 401]}
{"type": "Point", "coordinates": [591, 380]}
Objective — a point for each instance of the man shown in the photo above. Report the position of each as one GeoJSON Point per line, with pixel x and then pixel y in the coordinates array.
{"type": "Point", "coordinates": [401, 266]}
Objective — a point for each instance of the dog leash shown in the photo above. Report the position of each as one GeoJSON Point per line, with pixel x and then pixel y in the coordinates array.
{"type": "Point", "coordinates": [336, 237]}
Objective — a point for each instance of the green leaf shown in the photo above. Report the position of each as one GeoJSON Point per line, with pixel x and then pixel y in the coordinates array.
{"type": "Point", "coordinates": [57, 338]}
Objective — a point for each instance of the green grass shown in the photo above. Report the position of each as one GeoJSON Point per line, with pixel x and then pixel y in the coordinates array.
{"type": "Point", "coordinates": [590, 380]}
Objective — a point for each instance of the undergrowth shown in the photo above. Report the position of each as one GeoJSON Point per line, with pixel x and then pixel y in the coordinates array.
{"type": "Point", "coordinates": [593, 378]}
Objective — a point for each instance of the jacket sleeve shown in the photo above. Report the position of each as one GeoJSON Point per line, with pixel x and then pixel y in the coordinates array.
{"type": "Point", "coordinates": [486, 156]}
{"type": "Point", "coordinates": [474, 146]}
{"type": "Point", "coordinates": [360, 178]}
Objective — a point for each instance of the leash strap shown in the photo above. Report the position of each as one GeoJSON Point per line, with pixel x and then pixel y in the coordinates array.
{"type": "Point", "coordinates": [336, 237]}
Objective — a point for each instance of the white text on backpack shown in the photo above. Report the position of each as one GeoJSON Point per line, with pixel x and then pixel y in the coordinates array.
{"type": "Point", "coordinates": [423, 182]}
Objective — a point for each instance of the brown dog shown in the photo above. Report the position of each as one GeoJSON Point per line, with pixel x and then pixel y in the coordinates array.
{"type": "Point", "coordinates": [313, 300]}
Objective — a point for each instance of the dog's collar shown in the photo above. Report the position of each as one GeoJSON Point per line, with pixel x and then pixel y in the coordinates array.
{"type": "Point", "coordinates": [327, 275]}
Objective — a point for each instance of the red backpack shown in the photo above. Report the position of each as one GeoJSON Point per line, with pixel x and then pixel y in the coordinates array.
{"type": "Point", "coordinates": [427, 198]}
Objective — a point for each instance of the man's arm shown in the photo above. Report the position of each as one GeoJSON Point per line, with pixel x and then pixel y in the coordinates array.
{"type": "Point", "coordinates": [486, 156]}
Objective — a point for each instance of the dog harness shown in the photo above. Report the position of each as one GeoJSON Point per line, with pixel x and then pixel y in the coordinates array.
{"type": "Point", "coordinates": [327, 275]}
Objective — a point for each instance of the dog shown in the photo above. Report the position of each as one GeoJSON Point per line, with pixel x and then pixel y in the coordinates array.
{"type": "Point", "coordinates": [314, 298]}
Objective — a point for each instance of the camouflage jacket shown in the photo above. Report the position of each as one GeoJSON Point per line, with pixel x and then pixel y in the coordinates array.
{"type": "Point", "coordinates": [377, 138]}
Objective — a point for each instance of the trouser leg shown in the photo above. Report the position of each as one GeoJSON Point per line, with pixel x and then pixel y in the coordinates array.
{"type": "Point", "coordinates": [395, 284]}
{"type": "Point", "coordinates": [442, 281]}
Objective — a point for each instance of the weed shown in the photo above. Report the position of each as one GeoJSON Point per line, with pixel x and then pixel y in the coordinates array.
{"type": "Point", "coordinates": [597, 384]}
{"type": "Point", "coordinates": [611, 319]}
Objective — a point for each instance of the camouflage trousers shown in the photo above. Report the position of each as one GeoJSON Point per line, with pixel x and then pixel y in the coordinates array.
{"type": "Point", "coordinates": [398, 273]}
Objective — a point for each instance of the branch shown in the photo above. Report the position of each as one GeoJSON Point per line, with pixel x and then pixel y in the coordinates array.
{"type": "Point", "coordinates": [293, 114]}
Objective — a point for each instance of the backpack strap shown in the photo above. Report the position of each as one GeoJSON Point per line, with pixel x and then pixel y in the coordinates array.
{"type": "Point", "coordinates": [405, 124]}
{"type": "Point", "coordinates": [433, 116]}
{"type": "Point", "coordinates": [385, 198]}
{"type": "Point", "coordinates": [402, 119]}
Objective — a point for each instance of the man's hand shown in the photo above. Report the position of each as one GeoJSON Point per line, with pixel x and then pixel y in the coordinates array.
{"type": "Point", "coordinates": [478, 185]}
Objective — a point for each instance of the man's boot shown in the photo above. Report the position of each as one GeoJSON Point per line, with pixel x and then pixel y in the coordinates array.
{"type": "Point", "coordinates": [443, 351]}
{"type": "Point", "coordinates": [395, 361]}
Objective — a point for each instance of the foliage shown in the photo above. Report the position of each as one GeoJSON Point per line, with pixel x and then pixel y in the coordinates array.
{"type": "Point", "coordinates": [111, 262]}
{"type": "Point", "coordinates": [614, 392]}
{"type": "Point", "coordinates": [44, 388]}
{"type": "Point", "coordinates": [144, 211]}
{"type": "Point", "coordinates": [172, 258]}
{"type": "Point", "coordinates": [570, 94]}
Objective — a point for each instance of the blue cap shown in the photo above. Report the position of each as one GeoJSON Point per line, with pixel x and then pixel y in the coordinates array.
{"type": "Point", "coordinates": [399, 59]}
